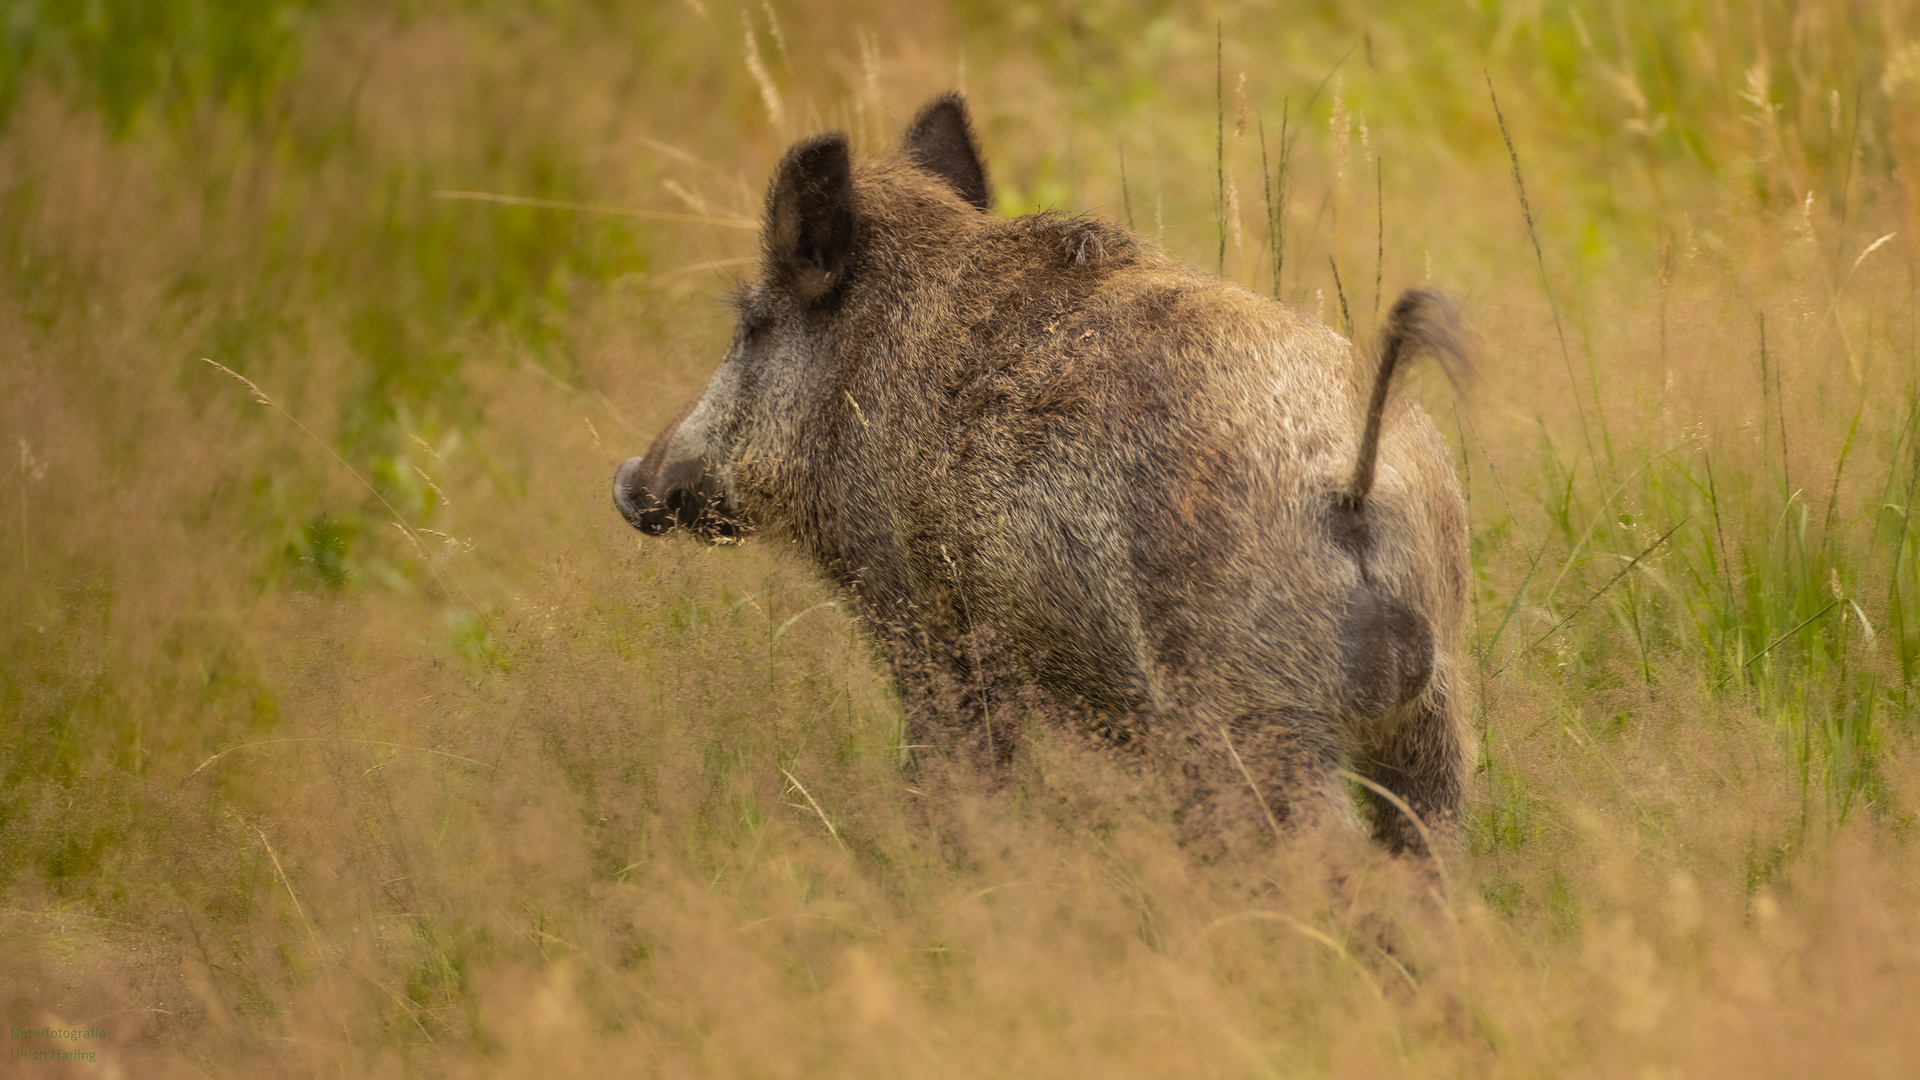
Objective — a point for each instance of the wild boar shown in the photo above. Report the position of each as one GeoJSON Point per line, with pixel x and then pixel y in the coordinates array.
{"type": "Point", "coordinates": [1156, 493]}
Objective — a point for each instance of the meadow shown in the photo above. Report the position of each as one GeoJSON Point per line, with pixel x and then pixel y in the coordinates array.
{"type": "Point", "coordinates": [347, 730]}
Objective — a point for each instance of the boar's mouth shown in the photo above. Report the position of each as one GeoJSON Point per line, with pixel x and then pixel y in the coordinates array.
{"type": "Point", "coordinates": [657, 498]}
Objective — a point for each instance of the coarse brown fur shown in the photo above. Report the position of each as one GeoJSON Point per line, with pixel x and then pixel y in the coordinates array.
{"type": "Point", "coordinates": [1134, 484]}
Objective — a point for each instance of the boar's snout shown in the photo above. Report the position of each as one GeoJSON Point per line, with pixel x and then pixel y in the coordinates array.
{"type": "Point", "coordinates": [656, 496]}
{"type": "Point", "coordinates": [636, 500]}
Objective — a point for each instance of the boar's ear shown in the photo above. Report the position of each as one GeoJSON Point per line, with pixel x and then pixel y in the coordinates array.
{"type": "Point", "coordinates": [810, 231]}
{"type": "Point", "coordinates": [941, 142]}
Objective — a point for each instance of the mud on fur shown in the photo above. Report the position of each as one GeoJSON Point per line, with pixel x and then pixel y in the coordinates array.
{"type": "Point", "coordinates": [1043, 448]}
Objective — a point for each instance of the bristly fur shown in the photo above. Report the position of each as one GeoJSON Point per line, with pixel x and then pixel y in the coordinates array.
{"type": "Point", "coordinates": [1040, 452]}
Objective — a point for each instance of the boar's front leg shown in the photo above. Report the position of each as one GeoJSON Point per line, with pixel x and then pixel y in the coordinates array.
{"type": "Point", "coordinates": [963, 696]}
{"type": "Point", "coordinates": [1278, 772]}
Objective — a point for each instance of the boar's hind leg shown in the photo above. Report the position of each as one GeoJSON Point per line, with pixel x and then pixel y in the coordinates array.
{"type": "Point", "coordinates": [1421, 761]}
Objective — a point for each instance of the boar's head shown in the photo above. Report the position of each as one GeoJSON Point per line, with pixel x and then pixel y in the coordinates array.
{"type": "Point", "coordinates": [813, 254]}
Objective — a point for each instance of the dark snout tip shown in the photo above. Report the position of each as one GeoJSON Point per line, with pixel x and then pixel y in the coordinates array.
{"type": "Point", "coordinates": [657, 501]}
{"type": "Point", "coordinates": [635, 503]}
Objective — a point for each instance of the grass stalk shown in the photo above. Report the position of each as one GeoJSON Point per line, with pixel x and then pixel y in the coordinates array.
{"type": "Point", "coordinates": [1220, 147]}
{"type": "Point", "coordinates": [1252, 785]}
{"type": "Point", "coordinates": [599, 208]}
{"type": "Point", "coordinates": [1283, 185]}
{"type": "Point", "coordinates": [1783, 639]}
{"type": "Point", "coordinates": [1833, 493]}
{"type": "Point", "coordinates": [281, 872]}
{"type": "Point", "coordinates": [1720, 538]}
{"type": "Point", "coordinates": [1380, 238]}
{"type": "Point", "coordinates": [1546, 286]}
{"type": "Point", "coordinates": [815, 805]}
{"type": "Point", "coordinates": [1772, 401]}
{"type": "Point", "coordinates": [198, 769]}
{"type": "Point", "coordinates": [1266, 191]}
{"type": "Point", "coordinates": [1346, 317]}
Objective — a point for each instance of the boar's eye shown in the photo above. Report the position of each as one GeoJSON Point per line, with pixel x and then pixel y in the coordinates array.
{"type": "Point", "coordinates": [751, 325]}
{"type": "Point", "coordinates": [751, 314]}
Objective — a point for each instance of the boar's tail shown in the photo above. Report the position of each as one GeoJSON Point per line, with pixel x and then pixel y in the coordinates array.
{"type": "Point", "coordinates": [1421, 320]}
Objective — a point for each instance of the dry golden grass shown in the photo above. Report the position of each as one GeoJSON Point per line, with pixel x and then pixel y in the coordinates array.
{"type": "Point", "coordinates": [509, 790]}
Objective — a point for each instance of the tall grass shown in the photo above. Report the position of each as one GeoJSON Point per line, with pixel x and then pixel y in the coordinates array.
{"type": "Point", "coordinates": [393, 750]}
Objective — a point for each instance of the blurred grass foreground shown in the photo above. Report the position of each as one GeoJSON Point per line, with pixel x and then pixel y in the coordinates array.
{"type": "Point", "coordinates": [345, 730]}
